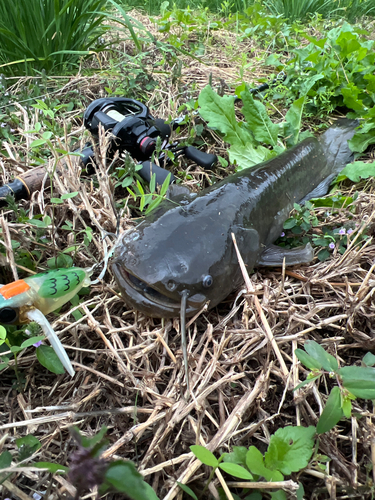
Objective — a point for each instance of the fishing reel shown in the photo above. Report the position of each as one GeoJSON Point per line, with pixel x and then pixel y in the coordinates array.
{"type": "Point", "coordinates": [132, 127]}
{"type": "Point", "coordinates": [135, 130]}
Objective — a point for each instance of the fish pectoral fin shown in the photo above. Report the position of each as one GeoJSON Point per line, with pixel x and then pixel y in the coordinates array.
{"type": "Point", "coordinates": [320, 190]}
{"type": "Point", "coordinates": [248, 244]}
{"type": "Point", "coordinates": [274, 255]}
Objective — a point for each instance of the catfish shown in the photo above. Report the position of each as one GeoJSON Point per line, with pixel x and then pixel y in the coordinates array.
{"type": "Point", "coordinates": [182, 254]}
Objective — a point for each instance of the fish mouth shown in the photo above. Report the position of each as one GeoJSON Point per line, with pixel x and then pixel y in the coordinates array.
{"type": "Point", "coordinates": [142, 297]}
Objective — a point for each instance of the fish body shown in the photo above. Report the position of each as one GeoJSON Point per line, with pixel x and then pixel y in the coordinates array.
{"type": "Point", "coordinates": [186, 246]}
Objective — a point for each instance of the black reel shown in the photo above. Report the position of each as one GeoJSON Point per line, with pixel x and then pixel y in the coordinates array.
{"type": "Point", "coordinates": [135, 130]}
{"type": "Point", "coordinates": [133, 127]}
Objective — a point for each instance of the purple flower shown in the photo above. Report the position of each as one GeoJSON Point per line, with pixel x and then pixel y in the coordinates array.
{"type": "Point", "coordinates": [342, 230]}
{"type": "Point", "coordinates": [331, 246]}
{"type": "Point", "coordinates": [282, 234]}
{"type": "Point", "coordinates": [37, 344]}
{"type": "Point", "coordinates": [349, 231]}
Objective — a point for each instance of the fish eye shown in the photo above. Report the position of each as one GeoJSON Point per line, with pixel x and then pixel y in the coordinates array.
{"type": "Point", "coordinates": [8, 315]}
{"type": "Point", "coordinates": [207, 281]}
{"type": "Point", "coordinates": [171, 285]}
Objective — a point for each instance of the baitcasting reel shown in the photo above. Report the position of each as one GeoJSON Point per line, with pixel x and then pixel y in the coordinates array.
{"type": "Point", "coordinates": [133, 129]}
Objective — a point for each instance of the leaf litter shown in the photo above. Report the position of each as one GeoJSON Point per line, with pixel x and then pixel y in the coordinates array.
{"type": "Point", "coordinates": [130, 374]}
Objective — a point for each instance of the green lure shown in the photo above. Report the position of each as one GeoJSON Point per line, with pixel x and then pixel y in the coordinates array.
{"type": "Point", "coordinates": [30, 299]}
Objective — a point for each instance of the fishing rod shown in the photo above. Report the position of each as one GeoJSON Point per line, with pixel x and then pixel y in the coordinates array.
{"type": "Point", "coordinates": [134, 130]}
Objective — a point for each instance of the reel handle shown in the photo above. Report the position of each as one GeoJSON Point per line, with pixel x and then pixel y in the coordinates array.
{"type": "Point", "coordinates": [149, 168]}
{"type": "Point", "coordinates": [204, 160]}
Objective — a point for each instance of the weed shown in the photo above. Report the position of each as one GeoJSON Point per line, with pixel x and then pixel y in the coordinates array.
{"type": "Point", "coordinates": [335, 72]}
{"type": "Point", "coordinates": [248, 136]}
{"type": "Point", "coordinates": [87, 469]}
{"type": "Point", "coordinates": [150, 200]}
{"type": "Point", "coordinates": [303, 219]}
{"type": "Point", "coordinates": [289, 450]}
{"type": "Point", "coordinates": [41, 34]}
{"type": "Point", "coordinates": [352, 382]}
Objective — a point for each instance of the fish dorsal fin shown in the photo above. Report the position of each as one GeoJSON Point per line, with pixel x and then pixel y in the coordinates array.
{"type": "Point", "coordinates": [274, 255]}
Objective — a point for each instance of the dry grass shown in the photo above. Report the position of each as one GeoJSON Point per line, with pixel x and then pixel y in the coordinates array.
{"type": "Point", "coordinates": [130, 374]}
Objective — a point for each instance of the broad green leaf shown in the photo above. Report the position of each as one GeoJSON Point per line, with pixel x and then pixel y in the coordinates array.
{"type": "Point", "coordinates": [4, 365]}
{"type": "Point", "coordinates": [247, 155]}
{"type": "Point", "coordinates": [300, 492]}
{"type": "Point", "coordinates": [15, 349]}
{"type": "Point", "coordinates": [351, 97]}
{"type": "Point", "coordinates": [369, 359]}
{"type": "Point", "coordinates": [316, 351]}
{"type": "Point", "coordinates": [278, 495]}
{"type": "Point", "coordinates": [319, 43]}
{"type": "Point", "coordinates": [124, 477]}
{"type": "Point", "coordinates": [349, 43]}
{"type": "Point", "coordinates": [361, 141]}
{"type": "Point", "coordinates": [258, 120]}
{"type": "Point", "coordinates": [347, 407]}
{"type": "Point", "coordinates": [290, 449]}
{"type": "Point", "coordinates": [5, 459]}
{"type": "Point", "coordinates": [359, 381]}
{"type": "Point", "coordinates": [308, 83]}
{"type": "Point", "coordinates": [290, 223]}
{"type": "Point", "coordinates": [204, 455]}
{"type": "Point", "coordinates": [32, 341]}
{"type": "Point", "coordinates": [293, 121]}
{"type": "Point", "coordinates": [37, 222]}
{"type": "Point", "coordinates": [48, 358]}
{"type": "Point", "coordinates": [29, 440]}
{"type": "Point", "coordinates": [187, 490]}
{"type": "Point", "coordinates": [255, 463]}
{"type": "Point", "coordinates": [333, 201]}
{"type": "Point", "coordinates": [37, 143]}
{"type": "Point", "coordinates": [52, 467]}
{"type": "Point", "coordinates": [237, 455]}
{"type": "Point", "coordinates": [305, 382]}
{"type": "Point", "coordinates": [61, 261]}
{"type": "Point", "coordinates": [235, 470]}
{"type": "Point", "coordinates": [89, 442]}
{"type": "Point", "coordinates": [67, 196]}
{"type": "Point", "coordinates": [357, 170]}
{"type": "Point", "coordinates": [3, 333]}
{"type": "Point", "coordinates": [219, 114]}
{"type": "Point", "coordinates": [332, 412]}
{"type": "Point", "coordinates": [307, 360]}
{"type": "Point", "coordinates": [254, 496]}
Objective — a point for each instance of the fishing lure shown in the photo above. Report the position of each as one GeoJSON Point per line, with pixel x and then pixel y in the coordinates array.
{"type": "Point", "coordinates": [31, 298]}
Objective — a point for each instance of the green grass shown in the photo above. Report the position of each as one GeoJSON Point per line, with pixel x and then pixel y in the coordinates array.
{"type": "Point", "coordinates": [48, 35]}
{"type": "Point", "coordinates": [154, 7]}
{"type": "Point", "coordinates": [292, 10]}
{"type": "Point", "coordinates": [300, 9]}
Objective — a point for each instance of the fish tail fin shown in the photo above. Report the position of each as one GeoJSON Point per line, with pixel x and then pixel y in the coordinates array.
{"type": "Point", "coordinates": [335, 145]}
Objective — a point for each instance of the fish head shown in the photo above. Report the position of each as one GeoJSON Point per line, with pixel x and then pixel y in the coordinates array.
{"type": "Point", "coordinates": [181, 251]}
